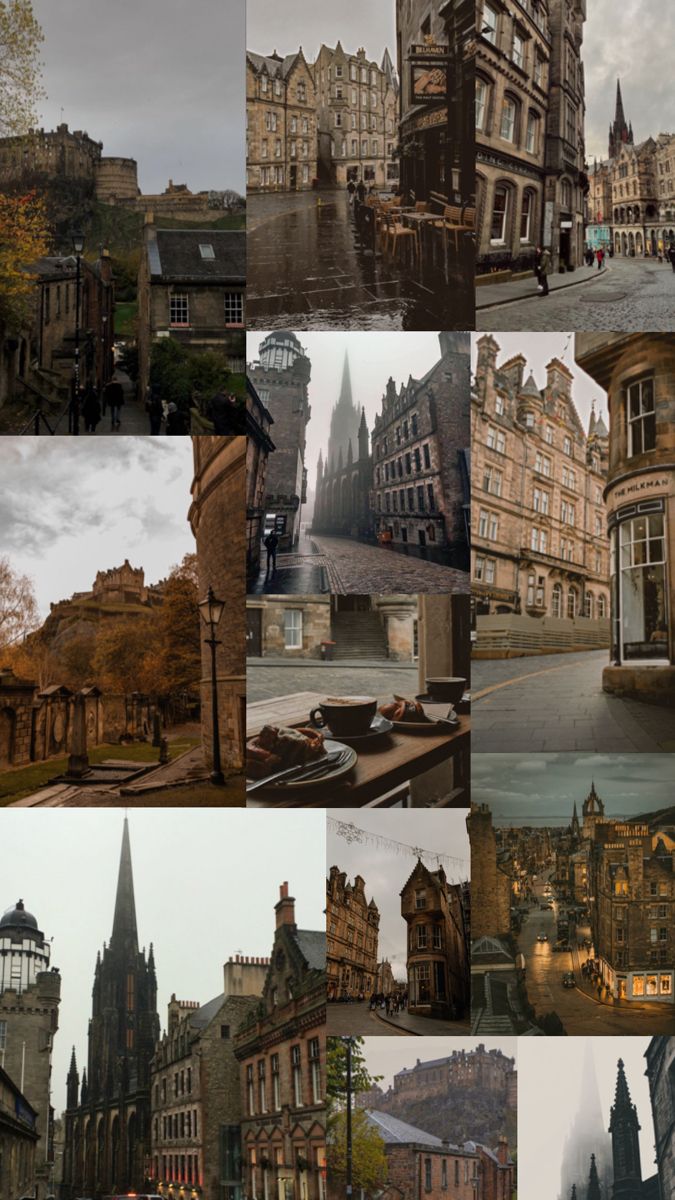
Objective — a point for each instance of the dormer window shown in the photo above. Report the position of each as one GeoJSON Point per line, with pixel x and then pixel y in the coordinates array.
{"type": "Point", "coordinates": [206, 250]}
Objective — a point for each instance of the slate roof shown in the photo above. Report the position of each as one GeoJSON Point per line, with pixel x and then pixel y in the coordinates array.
{"type": "Point", "coordinates": [428, 1062]}
{"type": "Point", "coordinates": [530, 388]}
{"type": "Point", "coordinates": [174, 255]}
{"type": "Point", "coordinates": [204, 1015]}
{"type": "Point", "coordinates": [393, 1131]}
{"type": "Point", "coordinates": [274, 66]}
{"type": "Point", "coordinates": [312, 943]}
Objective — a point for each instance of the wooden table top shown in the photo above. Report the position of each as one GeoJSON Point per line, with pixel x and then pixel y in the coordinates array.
{"type": "Point", "coordinates": [382, 765]}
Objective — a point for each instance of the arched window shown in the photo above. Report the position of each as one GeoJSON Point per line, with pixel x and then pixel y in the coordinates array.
{"type": "Point", "coordinates": [572, 602]}
{"type": "Point", "coordinates": [601, 608]}
{"type": "Point", "coordinates": [501, 212]}
{"type": "Point", "coordinates": [556, 600]}
{"type": "Point", "coordinates": [589, 605]}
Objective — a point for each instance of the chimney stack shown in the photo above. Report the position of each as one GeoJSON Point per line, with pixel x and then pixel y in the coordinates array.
{"type": "Point", "coordinates": [285, 909]}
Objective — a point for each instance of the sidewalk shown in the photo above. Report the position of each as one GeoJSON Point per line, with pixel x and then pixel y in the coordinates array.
{"type": "Point", "coordinates": [424, 1026]}
{"type": "Point", "coordinates": [490, 295]}
{"type": "Point", "coordinates": [295, 664]}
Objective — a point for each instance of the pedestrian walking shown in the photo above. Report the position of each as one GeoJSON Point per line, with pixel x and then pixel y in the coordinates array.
{"type": "Point", "coordinates": [600, 254]}
{"type": "Point", "coordinates": [91, 409]}
{"type": "Point", "coordinates": [176, 420]}
{"type": "Point", "coordinates": [351, 189]}
{"type": "Point", "coordinates": [114, 400]}
{"type": "Point", "coordinates": [671, 254]}
{"type": "Point", "coordinates": [271, 543]}
{"type": "Point", "coordinates": [361, 191]}
{"type": "Point", "coordinates": [543, 268]}
{"type": "Point", "coordinates": [155, 410]}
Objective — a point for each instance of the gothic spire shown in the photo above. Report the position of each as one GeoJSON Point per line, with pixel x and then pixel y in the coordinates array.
{"type": "Point", "coordinates": [346, 387]}
{"type": "Point", "coordinates": [619, 118]}
{"type": "Point", "coordinates": [624, 1128]}
{"type": "Point", "coordinates": [593, 1192]}
{"type": "Point", "coordinates": [124, 923]}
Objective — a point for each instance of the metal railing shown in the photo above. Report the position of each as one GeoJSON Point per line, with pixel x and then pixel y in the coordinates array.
{"type": "Point", "coordinates": [38, 417]}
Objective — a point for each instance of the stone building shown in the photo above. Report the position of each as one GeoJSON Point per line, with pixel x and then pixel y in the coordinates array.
{"type": "Point", "coordinates": [71, 154]}
{"type": "Point", "coordinates": [491, 885]}
{"type": "Point", "coordinates": [632, 897]}
{"type": "Point", "coordinates": [281, 123]}
{"type": "Point", "coordinates": [529, 134]}
{"type": "Point", "coordinates": [107, 1144]}
{"type": "Point", "coordinates": [385, 984]}
{"type": "Point", "coordinates": [191, 288]}
{"type": "Point", "coordinates": [487, 1070]}
{"type": "Point", "coordinates": [281, 1051]}
{"type": "Point", "coordinates": [421, 1163]}
{"type": "Point", "coordinates": [281, 377]}
{"type": "Point", "coordinates": [30, 994]}
{"type": "Point", "coordinates": [196, 1103]}
{"type": "Point", "coordinates": [217, 519]}
{"type": "Point", "coordinates": [54, 341]}
{"type": "Point", "coordinates": [335, 626]}
{"type": "Point", "coordinates": [539, 545]}
{"type": "Point", "coordinates": [664, 171]}
{"type": "Point", "coordinates": [356, 102]}
{"type": "Point", "coordinates": [637, 372]}
{"type": "Point", "coordinates": [259, 446]}
{"type": "Point", "coordinates": [599, 207]}
{"type": "Point", "coordinates": [660, 1056]}
{"type": "Point", "coordinates": [352, 924]}
{"type": "Point", "coordinates": [624, 1127]}
{"type": "Point", "coordinates": [437, 944]}
{"type": "Point", "coordinates": [435, 46]}
{"type": "Point", "coordinates": [18, 1138]}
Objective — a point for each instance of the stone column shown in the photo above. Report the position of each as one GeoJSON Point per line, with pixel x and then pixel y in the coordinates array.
{"type": "Point", "coordinates": [78, 759]}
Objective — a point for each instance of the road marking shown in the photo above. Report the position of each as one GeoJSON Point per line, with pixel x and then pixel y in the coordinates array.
{"type": "Point", "coordinates": [518, 678]}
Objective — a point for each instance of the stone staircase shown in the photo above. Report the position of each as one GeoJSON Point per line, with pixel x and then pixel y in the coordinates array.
{"type": "Point", "coordinates": [358, 635]}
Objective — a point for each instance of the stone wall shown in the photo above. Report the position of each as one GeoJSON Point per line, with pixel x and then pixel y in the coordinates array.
{"type": "Point", "coordinates": [217, 519]}
{"type": "Point", "coordinates": [116, 179]}
{"type": "Point", "coordinates": [409, 1168]}
{"type": "Point", "coordinates": [511, 635]}
{"type": "Point", "coordinates": [315, 626]}
{"type": "Point", "coordinates": [490, 887]}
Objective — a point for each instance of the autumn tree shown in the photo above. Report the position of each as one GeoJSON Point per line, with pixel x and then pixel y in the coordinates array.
{"type": "Point", "coordinates": [23, 239]}
{"type": "Point", "coordinates": [18, 607]}
{"type": "Point", "coordinates": [179, 663]}
{"type": "Point", "coordinates": [20, 67]}
{"type": "Point", "coordinates": [124, 654]}
{"type": "Point", "coordinates": [369, 1161]}
{"type": "Point", "coordinates": [336, 1084]}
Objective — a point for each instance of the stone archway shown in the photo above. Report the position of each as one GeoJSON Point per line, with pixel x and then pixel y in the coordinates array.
{"type": "Point", "coordinates": [7, 736]}
{"type": "Point", "coordinates": [631, 245]}
{"type": "Point", "coordinates": [624, 244]}
{"type": "Point", "coordinates": [638, 243]}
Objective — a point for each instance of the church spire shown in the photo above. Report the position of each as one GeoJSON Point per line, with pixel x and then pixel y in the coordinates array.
{"type": "Point", "coordinates": [124, 923]}
{"type": "Point", "coordinates": [593, 1192]}
{"type": "Point", "coordinates": [624, 1128]}
{"type": "Point", "coordinates": [620, 133]}
{"type": "Point", "coordinates": [72, 1083]}
{"type": "Point", "coordinates": [619, 118]}
{"type": "Point", "coordinates": [346, 387]}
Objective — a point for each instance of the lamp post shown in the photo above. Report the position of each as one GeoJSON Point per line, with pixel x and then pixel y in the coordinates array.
{"type": "Point", "coordinates": [212, 610]}
{"type": "Point", "coordinates": [77, 240]}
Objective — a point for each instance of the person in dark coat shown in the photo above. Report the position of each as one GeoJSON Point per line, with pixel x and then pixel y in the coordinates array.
{"type": "Point", "coordinates": [155, 410]}
{"type": "Point", "coordinates": [114, 400]}
{"type": "Point", "coordinates": [361, 191]}
{"type": "Point", "coordinates": [176, 422]}
{"type": "Point", "coordinates": [222, 410]}
{"type": "Point", "coordinates": [91, 409]}
{"type": "Point", "coordinates": [271, 543]}
{"type": "Point", "coordinates": [671, 254]}
{"type": "Point", "coordinates": [351, 188]}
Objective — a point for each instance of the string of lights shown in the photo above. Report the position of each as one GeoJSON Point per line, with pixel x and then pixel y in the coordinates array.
{"type": "Point", "coordinates": [352, 833]}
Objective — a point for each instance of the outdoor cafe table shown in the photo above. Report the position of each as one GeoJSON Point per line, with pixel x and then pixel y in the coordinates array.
{"type": "Point", "coordinates": [387, 762]}
{"type": "Point", "coordinates": [421, 222]}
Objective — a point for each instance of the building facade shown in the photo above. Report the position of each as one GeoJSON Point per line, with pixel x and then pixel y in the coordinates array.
{"type": "Point", "coordinates": [217, 519]}
{"type": "Point", "coordinates": [281, 377]}
{"type": "Point", "coordinates": [530, 107]}
{"type": "Point", "coordinates": [660, 1056]}
{"type": "Point", "coordinates": [281, 1051]}
{"type": "Point", "coordinates": [281, 123]}
{"type": "Point", "coordinates": [637, 372]}
{"type": "Point", "coordinates": [108, 1134]}
{"type": "Point", "coordinates": [539, 545]}
{"type": "Point", "coordinates": [18, 1138]}
{"type": "Point", "coordinates": [631, 883]}
{"type": "Point", "coordinates": [335, 626]}
{"type": "Point", "coordinates": [196, 1101]}
{"type": "Point", "coordinates": [421, 1163]}
{"type": "Point", "coordinates": [437, 944]}
{"type": "Point", "coordinates": [356, 104]}
{"type": "Point", "coordinates": [30, 994]}
{"type": "Point", "coordinates": [491, 890]}
{"type": "Point", "coordinates": [259, 445]}
{"type": "Point", "coordinates": [486, 1070]}
{"type": "Point", "coordinates": [191, 286]}
{"type": "Point", "coordinates": [352, 924]}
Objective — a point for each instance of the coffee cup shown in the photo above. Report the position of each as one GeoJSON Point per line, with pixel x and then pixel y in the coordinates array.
{"type": "Point", "coordinates": [446, 688]}
{"type": "Point", "coordinates": [345, 716]}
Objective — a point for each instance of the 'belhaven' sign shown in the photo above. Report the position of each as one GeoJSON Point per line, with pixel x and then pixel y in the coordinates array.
{"type": "Point", "coordinates": [639, 487]}
{"type": "Point", "coordinates": [428, 50]}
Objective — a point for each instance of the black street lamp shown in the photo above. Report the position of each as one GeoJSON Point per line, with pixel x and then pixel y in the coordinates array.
{"type": "Point", "coordinates": [212, 610]}
{"type": "Point", "coordinates": [77, 240]}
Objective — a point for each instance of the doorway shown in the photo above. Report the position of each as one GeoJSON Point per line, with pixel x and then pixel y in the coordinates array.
{"type": "Point", "coordinates": [254, 633]}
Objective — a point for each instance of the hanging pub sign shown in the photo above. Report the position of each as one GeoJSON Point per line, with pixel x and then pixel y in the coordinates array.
{"type": "Point", "coordinates": [428, 50]}
{"type": "Point", "coordinates": [428, 83]}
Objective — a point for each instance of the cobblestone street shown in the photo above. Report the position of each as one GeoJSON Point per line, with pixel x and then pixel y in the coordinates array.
{"type": "Point", "coordinates": [555, 702]}
{"type": "Point", "coordinates": [266, 679]}
{"type": "Point", "coordinates": [632, 294]}
{"type": "Point", "coordinates": [343, 565]}
{"type": "Point", "coordinates": [308, 268]}
{"type": "Point", "coordinates": [357, 1019]}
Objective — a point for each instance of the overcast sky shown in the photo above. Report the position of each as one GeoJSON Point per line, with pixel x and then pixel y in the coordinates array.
{"type": "Point", "coordinates": [539, 349]}
{"type": "Point", "coordinates": [284, 27]}
{"type": "Point", "coordinates": [386, 869]}
{"type": "Point", "coordinates": [192, 871]}
{"type": "Point", "coordinates": [629, 40]}
{"type": "Point", "coordinates": [388, 1055]}
{"type": "Point", "coordinates": [160, 81]}
{"type": "Point", "coordinates": [373, 357]}
{"type": "Point", "coordinates": [550, 1094]}
{"type": "Point", "coordinates": [70, 507]}
{"type": "Point", "coordinates": [542, 789]}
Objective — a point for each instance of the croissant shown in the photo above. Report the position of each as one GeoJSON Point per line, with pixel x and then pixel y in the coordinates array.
{"type": "Point", "coordinates": [403, 710]}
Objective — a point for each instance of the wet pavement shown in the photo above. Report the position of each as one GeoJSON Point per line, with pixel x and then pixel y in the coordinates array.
{"type": "Point", "coordinates": [356, 1018]}
{"type": "Point", "coordinates": [310, 268]}
{"type": "Point", "coordinates": [555, 702]}
{"type": "Point", "coordinates": [266, 680]}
